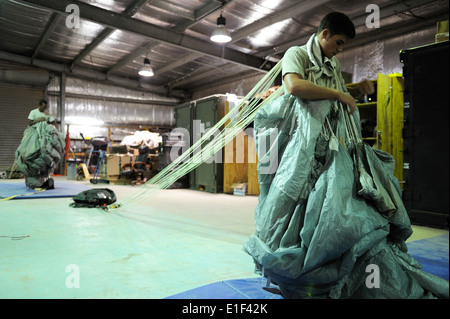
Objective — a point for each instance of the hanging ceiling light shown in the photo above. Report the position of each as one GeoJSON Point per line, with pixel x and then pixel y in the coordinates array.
{"type": "Point", "coordinates": [221, 34]}
{"type": "Point", "coordinates": [146, 70]}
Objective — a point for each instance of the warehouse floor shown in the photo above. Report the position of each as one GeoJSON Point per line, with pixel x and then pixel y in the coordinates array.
{"type": "Point", "coordinates": [176, 241]}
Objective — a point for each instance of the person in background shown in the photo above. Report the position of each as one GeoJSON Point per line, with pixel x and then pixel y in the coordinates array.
{"type": "Point", "coordinates": [38, 115]}
{"type": "Point", "coordinates": [34, 161]}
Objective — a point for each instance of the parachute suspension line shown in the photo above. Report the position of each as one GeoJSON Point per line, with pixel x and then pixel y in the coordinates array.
{"type": "Point", "coordinates": [355, 130]}
{"type": "Point", "coordinates": [350, 127]}
{"type": "Point", "coordinates": [222, 132]}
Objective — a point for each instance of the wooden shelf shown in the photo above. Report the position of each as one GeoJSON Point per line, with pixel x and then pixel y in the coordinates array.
{"type": "Point", "coordinates": [387, 113]}
{"type": "Point", "coordinates": [367, 105]}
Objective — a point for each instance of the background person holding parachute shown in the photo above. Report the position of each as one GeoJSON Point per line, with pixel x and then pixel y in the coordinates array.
{"type": "Point", "coordinates": [41, 149]}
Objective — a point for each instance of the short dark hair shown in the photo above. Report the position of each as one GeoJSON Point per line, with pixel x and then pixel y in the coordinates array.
{"type": "Point", "coordinates": [338, 23]}
{"type": "Point", "coordinates": [42, 102]}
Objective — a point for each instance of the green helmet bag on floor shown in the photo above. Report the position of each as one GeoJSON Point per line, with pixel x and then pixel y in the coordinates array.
{"type": "Point", "coordinates": [97, 197]}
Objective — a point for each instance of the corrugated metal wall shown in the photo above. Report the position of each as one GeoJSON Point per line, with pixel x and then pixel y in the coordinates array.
{"type": "Point", "coordinates": [91, 107]}
{"type": "Point", "coordinates": [16, 102]}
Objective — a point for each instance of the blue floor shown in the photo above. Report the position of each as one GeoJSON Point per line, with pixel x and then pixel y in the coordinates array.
{"type": "Point", "coordinates": [251, 288]}
{"type": "Point", "coordinates": [18, 190]}
{"type": "Point", "coordinates": [432, 253]}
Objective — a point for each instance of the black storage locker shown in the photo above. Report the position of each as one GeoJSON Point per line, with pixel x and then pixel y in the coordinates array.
{"type": "Point", "coordinates": [426, 134]}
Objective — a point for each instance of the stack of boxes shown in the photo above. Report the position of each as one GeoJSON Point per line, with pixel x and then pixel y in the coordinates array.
{"type": "Point", "coordinates": [113, 166]}
{"type": "Point", "coordinates": [442, 31]}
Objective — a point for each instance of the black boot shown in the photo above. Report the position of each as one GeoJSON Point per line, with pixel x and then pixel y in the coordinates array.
{"type": "Point", "coordinates": [49, 184]}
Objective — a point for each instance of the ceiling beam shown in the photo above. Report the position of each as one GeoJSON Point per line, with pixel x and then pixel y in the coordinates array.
{"type": "Point", "coordinates": [227, 80]}
{"type": "Point", "coordinates": [178, 39]}
{"type": "Point", "coordinates": [396, 30]}
{"type": "Point", "coordinates": [199, 14]}
{"type": "Point", "coordinates": [200, 75]}
{"type": "Point", "coordinates": [53, 21]}
{"type": "Point", "coordinates": [266, 21]}
{"type": "Point", "coordinates": [177, 10]}
{"type": "Point", "coordinates": [91, 46]}
{"type": "Point", "coordinates": [130, 11]}
{"type": "Point", "coordinates": [136, 6]}
{"type": "Point", "coordinates": [179, 62]}
{"type": "Point", "coordinates": [91, 74]}
{"type": "Point", "coordinates": [132, 56]}
{"type": "Point", "coordinates": [386, 10]}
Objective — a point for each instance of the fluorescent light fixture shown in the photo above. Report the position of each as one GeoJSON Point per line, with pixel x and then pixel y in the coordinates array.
{"type": "Point", "coordinates": [146, 70]}
{"type": "Point", "coordinates": [221, 34]}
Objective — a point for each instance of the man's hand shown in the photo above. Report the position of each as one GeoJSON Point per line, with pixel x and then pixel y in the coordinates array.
{"type": "Point", "coordinates": [366, 87]}
{"type": "Point", "coordinates": [348, 100]}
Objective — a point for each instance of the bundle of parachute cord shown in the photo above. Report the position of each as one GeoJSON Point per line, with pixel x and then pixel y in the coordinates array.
{"type": "Point", "coordinates": [223, 132]}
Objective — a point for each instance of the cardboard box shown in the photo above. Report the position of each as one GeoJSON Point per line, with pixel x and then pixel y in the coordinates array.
{"type": "Point", "coordinates": [441, 37]}
{"type": "Point", "coordinates": [239, 189]}
{"type": "Point", "coordinates": [442, 31]}
{"type": "Point", "coordinates": [114, 163]}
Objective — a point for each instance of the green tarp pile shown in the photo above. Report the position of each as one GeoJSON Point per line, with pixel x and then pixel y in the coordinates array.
{"type": "Point", "coordinates": [41, 149]}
